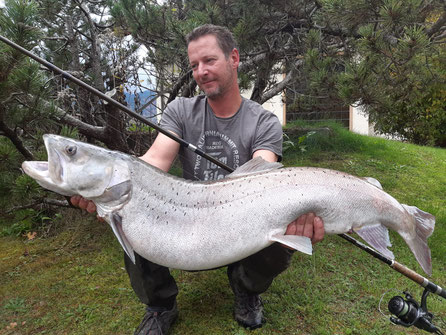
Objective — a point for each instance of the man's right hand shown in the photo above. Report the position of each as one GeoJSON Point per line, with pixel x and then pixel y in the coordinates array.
{"type": "Point", "coordinates": [78, 201]}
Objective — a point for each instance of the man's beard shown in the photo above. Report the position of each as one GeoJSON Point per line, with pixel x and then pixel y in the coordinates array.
{"type": "Point", "coordinates": [222, 88]}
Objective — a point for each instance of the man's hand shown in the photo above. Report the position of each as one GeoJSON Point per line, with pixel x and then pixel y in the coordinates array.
{"type": "Point", "coordinates": [308, 225]}
{"type": "Point", "coordinates": [88, 205]}
{"type": "Point", "coordinates": [82, 203]}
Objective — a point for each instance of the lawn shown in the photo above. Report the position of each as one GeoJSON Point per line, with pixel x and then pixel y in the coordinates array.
{"type": "Point", "coordinates": [69, 279]}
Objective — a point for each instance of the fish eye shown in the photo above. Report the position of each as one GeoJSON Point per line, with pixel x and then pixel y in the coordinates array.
{"type": "Point", "coordinates": [70, 150]}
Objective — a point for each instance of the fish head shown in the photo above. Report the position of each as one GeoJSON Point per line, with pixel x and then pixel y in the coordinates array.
{"type": "Point", "coordinates": [75, 167]}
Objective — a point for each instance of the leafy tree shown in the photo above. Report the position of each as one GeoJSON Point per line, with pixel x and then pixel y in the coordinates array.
{"type": "Point", "coordinates": [385, 55]}
{"type": "Point", "coordinates": [22, 86]}
{"type": "Point", "coordinates": [398, 73]}
{"type": "Point", "coordinates": [77, 37]}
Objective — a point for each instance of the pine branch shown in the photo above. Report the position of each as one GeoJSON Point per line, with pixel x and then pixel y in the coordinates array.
{"type": "Point", "coordinates": [13, 137]}
{"type": "Point", "coordinates": [438, 25]}
{"type": "Point", "coordinates": [279, 87]}
{"type": "Point", "coordinates": [44, 201]}
{"type": "Point", "coordinates": [185, 78]}
{"type": "Point", "coordinates": [63, 117]}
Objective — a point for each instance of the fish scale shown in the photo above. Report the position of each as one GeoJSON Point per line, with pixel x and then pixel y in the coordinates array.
{"type": "Point", "coordinates": [201, 225]}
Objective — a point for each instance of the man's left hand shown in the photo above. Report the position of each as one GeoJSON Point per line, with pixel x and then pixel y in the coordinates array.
{"type": "Point", "coordinates": [308, 225]}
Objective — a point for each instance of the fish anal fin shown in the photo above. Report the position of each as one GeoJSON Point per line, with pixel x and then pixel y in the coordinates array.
{"type": "Point", "coordinates": [299, 243]}
{"type": "Point", "coordinates": [378, 237]}
{"type": "Point", "coordinates": [116, 224]}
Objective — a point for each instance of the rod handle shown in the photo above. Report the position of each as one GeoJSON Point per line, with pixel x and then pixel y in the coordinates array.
{"type": "Point", "coordinates": [419, 279]}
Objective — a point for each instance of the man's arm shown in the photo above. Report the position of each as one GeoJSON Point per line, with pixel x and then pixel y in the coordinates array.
{"type": "Point", "coordinates": [309, 224]}
{"type": "Point", "coordinates": [267, 155]}
{"type": "Point", "coordinates": [162, 152]}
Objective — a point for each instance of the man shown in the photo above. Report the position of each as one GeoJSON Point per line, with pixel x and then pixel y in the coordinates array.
{"type": "Point", "coordinates": [233, 130]}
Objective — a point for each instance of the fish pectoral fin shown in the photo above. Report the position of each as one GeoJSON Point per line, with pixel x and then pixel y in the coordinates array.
{"type": "Point", "coordinates": [116, 224]}
{"type": "Point", "coordinates": [378, 237]}
{"type": "Point", "coordinates": [300, 243]}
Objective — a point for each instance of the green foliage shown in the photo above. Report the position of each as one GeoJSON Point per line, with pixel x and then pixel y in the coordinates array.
{"type": "Point", "coordinates": [18, 22]}
{"type": "Point", "coordinates": [68, 131]}
{"type": "Point", "coordinates": [25, 187]}
{"type": "Point", "coordinates": [138, 127]}
{"type": "Point", "coordinates": [16, 305]}
{"type": "Point", "coordinates": [299, 144]}
{"type": "Point", "coordinates": [397, 74]}
{"type": "Point", "coordinates": [23, 222]}
{"type": "Point", "coordinates": [8, 154]}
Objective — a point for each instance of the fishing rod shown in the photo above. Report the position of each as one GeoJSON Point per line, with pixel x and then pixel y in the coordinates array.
{"type": "Point", "coordinates": [414, 276]}
{"type": "Point", "coordinates": [407, 311]}
{"type": "Point", "coordinates": [66, 75]}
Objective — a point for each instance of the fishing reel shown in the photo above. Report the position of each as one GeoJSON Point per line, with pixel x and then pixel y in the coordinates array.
{"type": "Point", "coordinates": [409, 313]}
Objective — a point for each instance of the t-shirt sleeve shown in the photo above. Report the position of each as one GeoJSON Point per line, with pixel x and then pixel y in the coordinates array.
{"type": "Point", "coordinates": [269, 134]}
{"type": "Point", "coordinates": [171, 119]}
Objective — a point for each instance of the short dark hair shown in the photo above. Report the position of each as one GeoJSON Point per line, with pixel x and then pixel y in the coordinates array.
{"type": "Point", "coordinates": [224, 37]}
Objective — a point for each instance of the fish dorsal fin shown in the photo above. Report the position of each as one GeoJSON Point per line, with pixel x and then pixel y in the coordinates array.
{"type": "Point", "coordinates": [373, 181]}
{"type": "Point", "coordinates": [254, 165]}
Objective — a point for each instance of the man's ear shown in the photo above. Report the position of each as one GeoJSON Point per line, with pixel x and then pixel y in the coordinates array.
{"type": "Point", "coordinates": [235, 58]}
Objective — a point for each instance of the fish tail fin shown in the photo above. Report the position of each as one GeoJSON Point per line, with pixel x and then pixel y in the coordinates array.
{"type": "Point", "coordinates": [424, 227]}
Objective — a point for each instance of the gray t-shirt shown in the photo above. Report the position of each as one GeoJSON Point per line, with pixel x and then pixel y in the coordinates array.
{"type": "Point", "coordinates": [231, 140]}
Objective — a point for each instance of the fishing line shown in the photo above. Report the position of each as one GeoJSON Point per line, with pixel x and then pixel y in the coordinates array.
{"type": "Point", "coordinates": [382, 298]}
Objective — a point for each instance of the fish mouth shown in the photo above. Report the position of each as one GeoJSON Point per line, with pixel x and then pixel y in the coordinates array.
{"type": "Point", "coordinates": [36, 169]}
{"type": "Point", "coordinates": [48, 174]}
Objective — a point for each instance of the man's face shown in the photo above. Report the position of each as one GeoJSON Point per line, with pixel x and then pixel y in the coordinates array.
{"type": "Point", "coordinates": [213, 72]}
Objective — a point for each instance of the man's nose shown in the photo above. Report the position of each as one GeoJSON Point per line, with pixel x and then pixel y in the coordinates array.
{"type": "Point", "coordinates": [202, 70]}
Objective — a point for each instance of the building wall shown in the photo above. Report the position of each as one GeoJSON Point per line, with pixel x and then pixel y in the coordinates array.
{"type": "Point", "coordinates": [359, 122]}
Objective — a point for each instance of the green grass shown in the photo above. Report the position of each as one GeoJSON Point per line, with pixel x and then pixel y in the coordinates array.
{"type": "Point", "coordinates": [74, 281]}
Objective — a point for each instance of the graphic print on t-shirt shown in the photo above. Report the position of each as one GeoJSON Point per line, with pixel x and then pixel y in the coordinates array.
{"type": "Point", "coordinates": [222, 148]}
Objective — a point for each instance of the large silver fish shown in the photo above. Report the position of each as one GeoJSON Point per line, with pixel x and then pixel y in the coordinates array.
{"type": "Point", "coordinates": [202, 225]}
